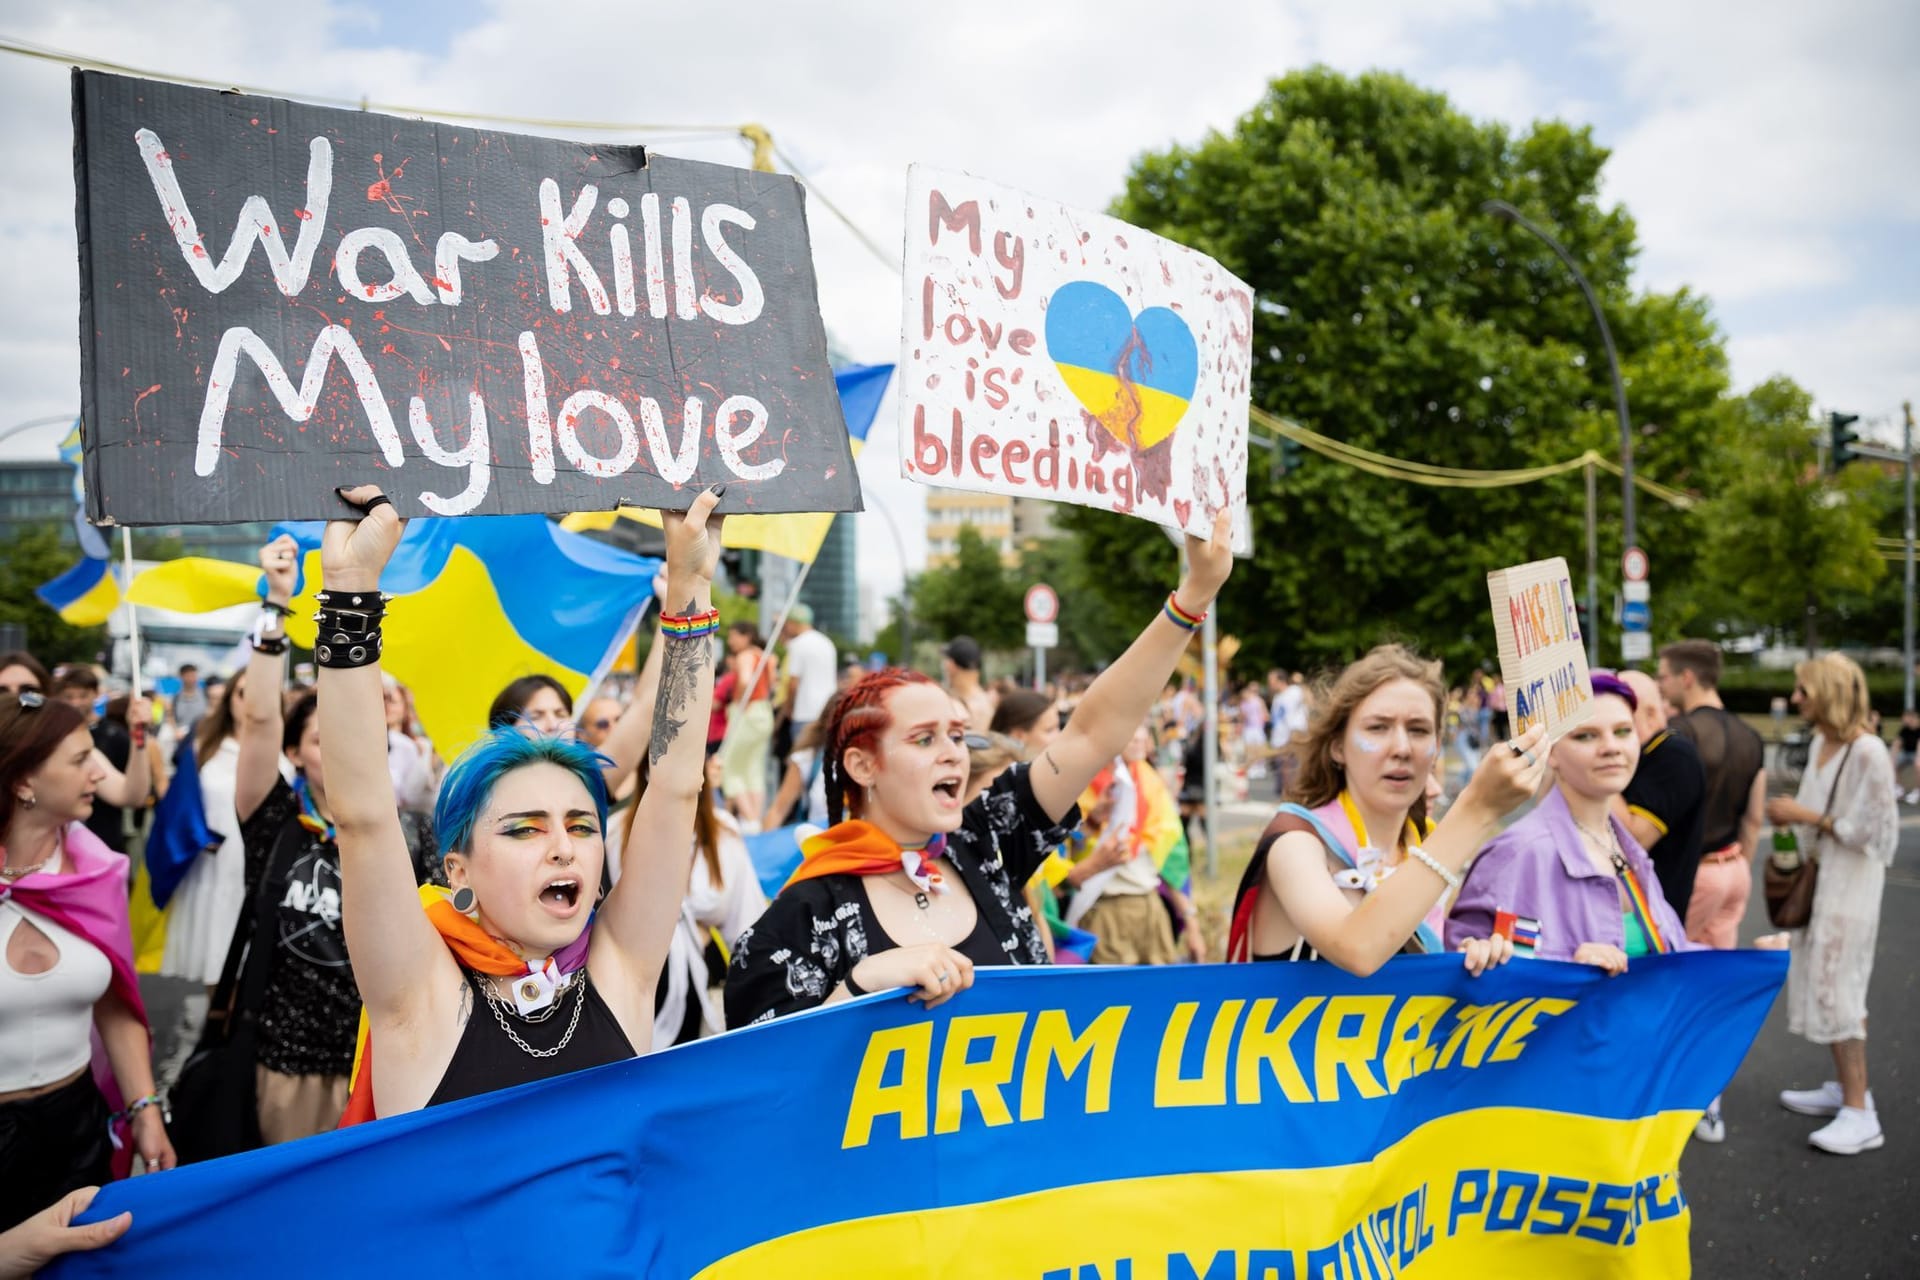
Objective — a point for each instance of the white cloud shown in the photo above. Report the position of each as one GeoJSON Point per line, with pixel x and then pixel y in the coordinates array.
{"type": "Point", "coordinates": [1863, 364]}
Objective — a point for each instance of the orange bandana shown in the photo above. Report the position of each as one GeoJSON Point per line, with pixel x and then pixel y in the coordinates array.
{"type": "Point", "coordinates": [856, 848]}
{"type": "Point", "coordinates": [473, 947]}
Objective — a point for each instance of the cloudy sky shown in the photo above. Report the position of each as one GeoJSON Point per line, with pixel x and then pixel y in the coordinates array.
{"type": "Point", "coordinates": [1766, 147]}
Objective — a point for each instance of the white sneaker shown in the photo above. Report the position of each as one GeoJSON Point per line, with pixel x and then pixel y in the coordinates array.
{"type": "Point", "coordinates": [1711, 1127]}
{"type": "Point", "coordinates": [1824, 1101]}
{"type": "Point", "coordinates": [1851, 1132]}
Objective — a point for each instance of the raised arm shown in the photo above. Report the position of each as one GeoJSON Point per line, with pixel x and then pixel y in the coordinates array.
{"type": "Point", "coordinates": [396, 952]}
{"type": "Point", "coordinates": [634, 730]}
{"type": "Point", "coordinates": [639, 913]}
{"type": "Point", "coordinates": [129, 789]}
{"type": "Point", "coordinates": [261, 717]}
{"type": "Point", "coordinates": [1115, 704]}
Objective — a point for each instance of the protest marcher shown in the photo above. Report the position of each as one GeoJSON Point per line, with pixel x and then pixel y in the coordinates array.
{"type": "Point", "coordinates": [512, 976]}
{"type": "Point", "coordinates": [743, 756]}
{"type": "Point", "coordinates": [1132, 851]}
{"type": "Point", "coordinates": [597, 719]}
{"type": "Point", "coordinates": [915, 888]}
{"type": "Point", "coordinates": [308, 1008]}
{"type": "Point", "coordinates": [1665, 804]}
{"type": "Point", "coordinates": [206, 906]}
{"type": "Point", "coordinates": [1318, 888]}
{"type": "Point", "coordinates": [1846, 818]}
{"type": "Point", "coordinates": [803, 785]}
{"type": "Point", "coordinates": [960, 665]}
{"type": "Point", "coordinates": [129, 775]}
{"type": "Point", "coordinates": [723, 683]}
{"type": "Point", "coordinates": [1905, 762]}
{"type": "Point", "coordinates": [1569, 881]}
{"type": "Point", "coordinates": [20, 671]}
{"type": "Point", "coordinates": [535, 703]}
{"type": "Point", "coordinates": [50, 1234]}
{"type": "Point", "coordinates": [1732, 755]}
{"type": "Point", "coordinates": [813, 669]}
{"type": "Point", "coordinates": [1253, 722]}
{"type": "Point", "coordinates": [191, 702]}
{"type": "Point", "coordinates": [67, 975]}
{"type": "Point", "coordinates": [410, 757]}
{"type": "Point", "coordinates": [1030, 718]}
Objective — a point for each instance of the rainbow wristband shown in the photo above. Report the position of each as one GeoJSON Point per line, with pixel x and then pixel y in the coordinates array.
{"type": "Point", "coordinates": [1180, 617]}
{"type": "Point", "coordinates": [693, 626]}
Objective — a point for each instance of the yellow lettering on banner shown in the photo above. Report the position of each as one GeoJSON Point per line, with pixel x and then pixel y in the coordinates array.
{"type": "Point", "coordinates": [1053, 1041]}
{"type": "Point", "coordinates": [1170, 1088]}
{"type": "Point", "coordinates": [984, 1080]}
{"type": "Point", "coordinates": [1261, 1044]}
{"type": "Point", "coordinates": [1514, 1039]}
{"type": "Point", "coordinates": [1479, 1027]}
{"type": "Point", "coordinates": [907, 1100]}
{"type": "Point", "coordinates": [1408, 1052]}
{"type": "Point", "coordinates": [1333, 1048]}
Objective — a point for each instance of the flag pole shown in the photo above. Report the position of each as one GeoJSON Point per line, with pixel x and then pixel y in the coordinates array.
{"type": "Point", "coordinates": [766, 651]}
{"type": "Point", "coordinates": [133, 613]}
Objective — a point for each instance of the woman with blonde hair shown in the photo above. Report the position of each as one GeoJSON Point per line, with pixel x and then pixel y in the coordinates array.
{"type": "Point", "coordinates": [1847, 819]}
{"type": "Point", "coordinates": [1319, 886]}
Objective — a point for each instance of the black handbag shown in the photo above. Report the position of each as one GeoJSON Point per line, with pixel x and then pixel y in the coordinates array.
{"type": "Point", "coordinates": [215, 1102]}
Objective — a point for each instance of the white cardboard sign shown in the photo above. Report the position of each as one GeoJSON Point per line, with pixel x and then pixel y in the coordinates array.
{"type": "Point", "coordinates": [1053, 353]}
{"type": "Point", "coordinates": [1543, 657]}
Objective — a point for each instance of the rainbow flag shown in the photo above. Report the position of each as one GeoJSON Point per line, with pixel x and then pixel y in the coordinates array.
{"type": "Point", "coordinates": [797, 537]}
{"type": "Point", "coordinates": [1222, 1120]}
{"type": "Point", "coordinates": [480, 601]}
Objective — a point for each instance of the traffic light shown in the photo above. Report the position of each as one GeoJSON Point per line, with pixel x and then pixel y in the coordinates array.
{"type": "Point", "coordinates": [1841, 440]}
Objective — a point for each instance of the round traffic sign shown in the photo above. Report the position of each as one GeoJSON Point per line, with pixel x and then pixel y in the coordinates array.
{"type": "Point", "coordinates": [1633, 565]}
{"type": "Point", "coordinates": [1042, 604]}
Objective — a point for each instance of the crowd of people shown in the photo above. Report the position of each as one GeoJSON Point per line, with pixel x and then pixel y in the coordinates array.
{"type": "Point", "coordinates": [380, 930]}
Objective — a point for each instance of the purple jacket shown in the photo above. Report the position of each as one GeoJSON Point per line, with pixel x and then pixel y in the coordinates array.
{"type": "Point", "coordinates": [1538, 868]}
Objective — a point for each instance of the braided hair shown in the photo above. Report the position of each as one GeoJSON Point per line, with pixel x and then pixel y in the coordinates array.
{"type": "Point", "coordinates": [857, 720]}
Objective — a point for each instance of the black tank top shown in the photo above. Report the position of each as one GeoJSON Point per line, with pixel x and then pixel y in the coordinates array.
{"type": "Point", "coordinates": [486, 1059]}
{"type": "Point", "coordinates": [979, 946]}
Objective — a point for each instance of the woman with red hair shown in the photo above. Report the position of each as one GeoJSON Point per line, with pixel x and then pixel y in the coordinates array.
{"type": "Point", "coordinates": [915, 888]}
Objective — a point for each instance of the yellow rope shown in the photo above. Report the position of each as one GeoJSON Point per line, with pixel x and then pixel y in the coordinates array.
{"type": "Point", "coordinates": [1429, 474]}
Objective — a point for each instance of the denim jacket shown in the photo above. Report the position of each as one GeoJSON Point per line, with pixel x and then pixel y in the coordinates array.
{"type": "Point", "coordinates": [1538, 868]}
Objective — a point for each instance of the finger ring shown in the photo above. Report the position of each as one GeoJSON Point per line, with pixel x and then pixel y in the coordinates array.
{"type": "Point", "coordinates": [1532, 759]}
{"type": "Point", "coordinates": [941, 975]}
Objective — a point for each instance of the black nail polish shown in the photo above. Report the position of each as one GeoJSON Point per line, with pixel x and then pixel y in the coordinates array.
{"type": "Point", "coordinates": [719, 490]}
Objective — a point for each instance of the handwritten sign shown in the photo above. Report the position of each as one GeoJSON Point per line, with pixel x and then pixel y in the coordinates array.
{"type": "Point", "coordinates": [1543, 657]}
{"type": "Point", "coordinates": [1053, 353]}
{"type": "Point", "coordinates": [277, 299]}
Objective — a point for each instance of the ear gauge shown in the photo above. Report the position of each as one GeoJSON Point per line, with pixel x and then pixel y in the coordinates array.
{"type": "Point", "coordinates": [464, 903]}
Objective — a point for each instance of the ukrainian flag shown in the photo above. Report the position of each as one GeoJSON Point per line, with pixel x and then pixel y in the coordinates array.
{"type": "Point", "coordinates": [84, 596]}
{"type": "Point", "coordinates": [797, 537]}
{"type": "Point", "coordinates": [479, 602]}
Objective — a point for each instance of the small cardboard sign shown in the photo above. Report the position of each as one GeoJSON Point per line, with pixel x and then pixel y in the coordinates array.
{"type": "Point", "coordinates": [277, 299]}
{"type": "Point", "coordinates": [1543, 657]}
{"type": "Point", "coordinates": [1052, 353]}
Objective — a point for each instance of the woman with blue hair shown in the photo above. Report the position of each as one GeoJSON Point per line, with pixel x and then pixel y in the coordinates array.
{"type": "Point", "coordinates": [511, 974]}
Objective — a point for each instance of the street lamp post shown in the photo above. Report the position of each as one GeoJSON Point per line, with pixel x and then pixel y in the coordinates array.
{"type": "Point", "coordinates": [1501, 209]}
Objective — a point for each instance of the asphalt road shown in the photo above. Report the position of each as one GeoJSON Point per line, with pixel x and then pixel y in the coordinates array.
{"type": "Point", "coordinates": [1765, 1203]}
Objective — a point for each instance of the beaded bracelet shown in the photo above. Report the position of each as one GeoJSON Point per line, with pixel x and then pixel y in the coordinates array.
{"type": "Point", "coordinates": [692, 626]}
{"type": "Point", "coordinates": [1180, 617]}
{"type": "Point", "coordinates": [1432, 864]}
{"type": "Point", "coordinates": [138, 1105]}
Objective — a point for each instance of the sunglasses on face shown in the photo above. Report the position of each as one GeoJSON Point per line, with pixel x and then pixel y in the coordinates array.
{"type": "Point", "coordinates": [30, 698]}
{"type": "Point", "coordinates": [977, 742]}
{"type": "Point", "coordinates": [602, 723]}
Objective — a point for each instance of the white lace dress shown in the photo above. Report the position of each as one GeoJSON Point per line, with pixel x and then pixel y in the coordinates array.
{"type": "Point", "coordinates": [1833, 955]}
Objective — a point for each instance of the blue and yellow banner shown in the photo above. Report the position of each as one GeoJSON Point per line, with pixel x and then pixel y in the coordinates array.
{"type": "Point", "coordinates": [1201, 1123]}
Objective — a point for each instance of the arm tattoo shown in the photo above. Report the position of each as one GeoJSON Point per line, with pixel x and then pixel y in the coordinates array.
{"type": "Point", "coordinates": [1048, 757]}
{"type": "Point", "coordinates": [466, 1003]}
{"type": "Point", "coordinates": [680, 670]}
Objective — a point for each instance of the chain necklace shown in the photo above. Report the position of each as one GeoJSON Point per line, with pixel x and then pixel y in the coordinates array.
{"type": "Point", "coordinates": [1607, 841]}
{"type": "Point", "coordinates": [499, 1015]}
{"type": "Point", "coordinates": [21, 873]}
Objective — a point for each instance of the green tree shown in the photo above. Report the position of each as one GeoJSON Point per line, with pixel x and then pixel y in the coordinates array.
{"type": "Point", "coordinates": [1396, 315]}
{"type": "Point", "coordinates": [1783, 544]}
{"type": "Point", "coordinates": [976, 595]}
{"type": "Point", "coordinates": [32, 556]}
{"type": "Point", "coordinates": [1093, 629]}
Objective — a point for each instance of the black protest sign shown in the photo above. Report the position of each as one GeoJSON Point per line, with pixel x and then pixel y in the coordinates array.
{"type": "Point", "coordinates": [277, 299]}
